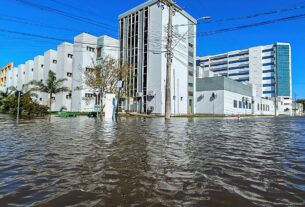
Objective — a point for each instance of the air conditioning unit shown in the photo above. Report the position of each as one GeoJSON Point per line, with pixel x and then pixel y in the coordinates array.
{"type": "Point", "coordinates": [151, 93]}
{"type": "Point", "coordinates": [139, 94]}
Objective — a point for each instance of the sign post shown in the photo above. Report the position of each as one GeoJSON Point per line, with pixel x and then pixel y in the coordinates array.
{"type": "Point", "coordinates": [119, 87]}
{"type": "Point", "coordinates": [18, 94]}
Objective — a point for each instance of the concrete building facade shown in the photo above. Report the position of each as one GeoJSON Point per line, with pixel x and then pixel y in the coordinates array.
{"type": "Point", "coordinates": [64, 71]}
{"type": "Point", "coordinates": [84, 57]}
{"type": "Point", "coordinates": [223, 96]}
{"type": "Point", "coordinates": [267, 67]}
{"type": "Point", "coordinates": [143, 32]}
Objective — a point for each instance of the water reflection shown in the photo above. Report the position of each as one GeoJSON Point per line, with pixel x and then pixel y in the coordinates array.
{"type": "Point", "coordinates": [150, 162]}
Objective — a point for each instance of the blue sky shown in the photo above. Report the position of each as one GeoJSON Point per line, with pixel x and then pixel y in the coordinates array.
{"type": "Point", "coordinates": [19, 48]}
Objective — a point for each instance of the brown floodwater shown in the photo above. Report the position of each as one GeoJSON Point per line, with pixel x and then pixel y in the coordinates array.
{"type": "Point", "coordinates": [150, 162]}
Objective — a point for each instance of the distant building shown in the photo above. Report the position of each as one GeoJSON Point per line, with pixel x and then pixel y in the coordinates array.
{"type": "Point", "coordinates": [143, 34]}
{"type": "Point", "coordinates": [267, 67]}
{"type": "Point", "coordinates": [224, 96]}
{"type": "Point", "coordinates": [3, 74]}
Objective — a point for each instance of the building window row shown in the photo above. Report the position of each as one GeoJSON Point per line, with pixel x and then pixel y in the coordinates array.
{"type": "Point", "coordinates": [268, 57]}
{"type": "Point", "coordinates": [238, 74]}
{"type": "Point", "coordinates": [263, 107]}
{"type": "Point", "coordinates": [268, 78]}
{"type": "Point", "coordinates": [267, 64]}
{"type": "Point", "coordinates": [268, 50]}
{"type": "Point", "coordinates": [239, 61]}
{"type": "Point", "coordinates": [239, 54]}
{"type": "Point", "coordinates": [242, 104]}
{"type": "Point", "coordinates": [268, 92]}
{"type": "Point", "coordinates": [268, 71]}
{"type": "Point", "coordinates": [90, 49]}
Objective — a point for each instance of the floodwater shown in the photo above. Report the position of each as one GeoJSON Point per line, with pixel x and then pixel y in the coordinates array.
{"type": "Point", "coordinates": [150, 162]}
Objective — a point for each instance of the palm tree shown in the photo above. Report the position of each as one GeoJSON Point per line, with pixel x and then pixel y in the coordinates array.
{"type": "Point", "coordinates": [51, 87]}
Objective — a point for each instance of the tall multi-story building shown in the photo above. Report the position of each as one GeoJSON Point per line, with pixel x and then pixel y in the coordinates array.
{"type": "Point", "coordinates": [3, 74]}
{"type": "Point", "coordinates": [50, 64]}
{"type": "Point", "coordinates": [84, 57]}
{"type": "Point", "coordinates": [38, 74]}
{"type": "Point", "coordinates": [267, 68]}
{"type": "Point", "coordinates": [21, 77]}
{"type": "Point", "coordinates": [64, 71]}
{"type": "Point", "coordinates": [143, 35]}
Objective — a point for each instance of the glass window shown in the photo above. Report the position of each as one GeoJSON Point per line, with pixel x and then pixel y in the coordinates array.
{"type": "Point", "coordinates": [235, 104]}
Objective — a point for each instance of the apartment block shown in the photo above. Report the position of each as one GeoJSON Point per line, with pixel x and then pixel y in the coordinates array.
{"type": "Point", "coordinates": [3, 74]}
{"type": "Point", "coordinates": [84, 57]}
{"type": "Point", "coordinates": [64, 71]}
{"type": "Point", "coordinates": [38, 74]}
{"type": "Point", "coordinates": [267, 68]}
{"type": "Point", "coordinates": [143, 34]}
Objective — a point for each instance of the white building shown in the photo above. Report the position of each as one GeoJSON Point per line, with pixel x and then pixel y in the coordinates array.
{"type": "Point", "coordinates": [64, 71]}
{"type": "Point", "coordinates": [38, 75]}
{"type": "Point", "coordinates": [224, 96]}
{"type": "Point", "coordinates": [21, 77]}
{"type": "Point", "coordinates": [143, 34]}
{"type": "Point", "coordinates": [29, 71]}
{"type": "Point", "coordinates": [84, 57]}
{"type": "Point", "coordinates": [107, 47]}
{"type": "Point", "coordinates": [267, 67]}
{"type": "Point", "coordinates": [50, 64]}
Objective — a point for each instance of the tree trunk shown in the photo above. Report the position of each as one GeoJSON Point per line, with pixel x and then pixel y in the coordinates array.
{"type": "Point", "coordinates": [50, 102]}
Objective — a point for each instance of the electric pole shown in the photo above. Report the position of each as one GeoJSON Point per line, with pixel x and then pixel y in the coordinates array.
{"type": "Point", "coordinates": [169, 56]}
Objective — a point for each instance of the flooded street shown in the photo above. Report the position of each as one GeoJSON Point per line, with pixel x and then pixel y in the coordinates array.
{"type": "Point", "coordinates": [150, 162]}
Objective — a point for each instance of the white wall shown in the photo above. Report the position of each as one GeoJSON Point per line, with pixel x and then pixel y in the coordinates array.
{"type": "Point", "coordinates": [64, 67]}
{"type": "Point", "coordinates": [82, 58]}
{"type": "Point", "coordinates": [50, 63]}
{"type": "Point", "coordinates": [21, 77]}
{"type": "Point", "coordinates": [38, 75]}
{"type": "Point", "coordinates": [29, 71]}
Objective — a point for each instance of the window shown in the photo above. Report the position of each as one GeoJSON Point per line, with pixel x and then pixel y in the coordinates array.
{"type": "Point", "coordinates": [89, 70]}
{"type": "Point", "coordinates": [70, 56]}
{"type": "Point", "coordinates": [88, 95]}
{"type": "Point", "coordinates": [190, 84]}
{"type": "Point", "coordinates": [41, 65]}
{"type": "Point", "coordinates": [69, 74]}
{"type": "Point", "coordinates": [267, 64]}
{"type": "Point", "coordinates": [190, 93]}
{"type": "Point", "coordinates": [235, 104]}
{"type": "Point", "coordinates": [69, 96]}
{"type": "Point", "coordinates": [250, 106]}
{"type": "Point", "coordinates": [268, 50]}
{"type": "Point", "coordinates": [258, 107]}
{"type": "Point", "coordinates": [54, 61]}
{"type": "Point", "coordinates": [191, 45]}
{"type": "Point", "coordinates": [32, 69]}
{"type": "Point", "coordinates": [191, 73]}
{"type": "Point", "coordinates": [240, 104]}
{"type": "Point", "coordinates": [99, 52]}
{"type": "Point", "coordinates": [191, 64]}
{"type": "Point", "coordinates": [40, 99]}
{"type": "Point", "coordinates": [90, 49]}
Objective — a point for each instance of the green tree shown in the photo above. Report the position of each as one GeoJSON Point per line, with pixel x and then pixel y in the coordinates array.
{"type": "Point", "coordinates": [51, 87]}
{"type": "Point", "coordinates": [104, 75]}
{"type": "Point", "coordinates": [27, 105]}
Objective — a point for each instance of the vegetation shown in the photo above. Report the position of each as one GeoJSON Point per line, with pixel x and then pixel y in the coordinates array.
{"type": "Point", "coordinates": [51, 87]}
{"type": "Point", "coordinates": [28, 107]}
{"type": "Point", "coordinates": [104, 75]}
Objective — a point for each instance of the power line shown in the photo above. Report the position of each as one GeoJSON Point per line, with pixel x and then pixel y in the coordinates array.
{"type": "Point", "coordinates": [285, 19]}
{"type": "Point", "coordinates": [66, 14]}
{"type": "Point", "coordinates": [270, 12]}
{"type": "Point", "coordinates": [25, 21]}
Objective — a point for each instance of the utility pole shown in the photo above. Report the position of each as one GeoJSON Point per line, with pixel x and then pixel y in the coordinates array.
{"type": "Point", "coordinates": [169, 57]}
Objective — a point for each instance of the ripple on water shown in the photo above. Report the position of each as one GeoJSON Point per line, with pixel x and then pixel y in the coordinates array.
{"type": "Point", "coordinates": [149, 162]}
